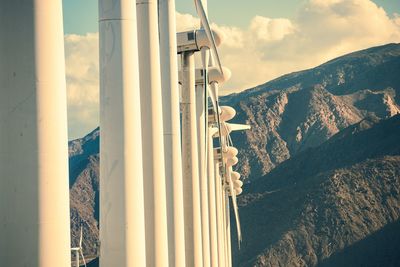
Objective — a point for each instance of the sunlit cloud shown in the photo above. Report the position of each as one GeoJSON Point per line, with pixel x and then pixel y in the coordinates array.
{"type": "Point", "coordinates": [266, 49]}
{"type": "Point", "coordinates": [82, 73]}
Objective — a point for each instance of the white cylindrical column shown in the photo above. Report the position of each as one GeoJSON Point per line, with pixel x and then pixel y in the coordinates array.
{"type": "Point", "coordinates": [152, 134]}
{"type": "Point", "coordinates": [212, 204]}
{"type": "Point", "coordinates": [228, 231]}
{"type": "Point", "coordinates": [121, 178]}
{"type": "Point", "coordinates": [220, 216]}
{"type": "Point", "coordinates": [191, 186]}
{"type": "Point", "coordinates": [224, 204]}
{"type": "Point", "coordinates": [34, 191]}
{"type": "Point", "coordinates": [203, 175]}
{"type": "Point", "coordinates": [172, 136]}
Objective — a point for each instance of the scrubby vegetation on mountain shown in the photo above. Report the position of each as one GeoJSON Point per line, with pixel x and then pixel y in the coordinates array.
{"type": "Point", "coordinates": [322, 171]}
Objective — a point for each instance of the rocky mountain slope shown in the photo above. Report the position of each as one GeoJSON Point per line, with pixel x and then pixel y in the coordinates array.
{"type": "Point", "coordinates": [329, 205]}
{"type": "Point", "coordinates": [304, 109]}
{"type": "Point", "coordinates": [84, 191]}
{"type": "Point", "coordinates": [288, 116]}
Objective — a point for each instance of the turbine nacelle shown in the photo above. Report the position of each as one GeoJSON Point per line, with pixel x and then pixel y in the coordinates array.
{"type": "Point", "coordinates": [194, 40]}
{"type": "Point", "coordinates": [231, 161]}
{"type": "Point", "coordinates": [226, 113]}
{"type": "Point", "coordinates": [227, 154]}
{"type": "Point", "coordinates": [215, 75]}
{"type": "Point", "coordinates": [237, 183]}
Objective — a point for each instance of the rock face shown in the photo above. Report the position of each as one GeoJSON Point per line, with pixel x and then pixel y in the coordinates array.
{"type": "Point", "coordinates": [298, 209]}
{"type": "Point", "coordinates": [84, 191]}
{"type": "Point", "coordinates": [304, 109]}
{"type": "Point", "coordinates": [318, 206]}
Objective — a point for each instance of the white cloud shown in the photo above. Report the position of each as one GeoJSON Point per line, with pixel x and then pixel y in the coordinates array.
{"type": "Point", "coordinates": [266, 49]}
{"type": "Point", "coordinates": [321, 30]}
{"type": "Point", "coordinates": [266, 29]}
{"type": "Point", "coordinates": [82, 71]}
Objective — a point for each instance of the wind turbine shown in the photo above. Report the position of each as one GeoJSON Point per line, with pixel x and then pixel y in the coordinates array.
{"type": "Point", "coordinates": [34, 193]}
{"type": "Point", "coordinates": [214, 96]}
{"type": "Point", "coordinates": [152, 134]}
{"type": "Point", "coordinates": [172, 136]}
{"type": "Point", "coordinates": [78, 250]}
{"type": "Point", "coordinates": [122, 218]}
{"type": "Point", "coordinates": [187, 44]}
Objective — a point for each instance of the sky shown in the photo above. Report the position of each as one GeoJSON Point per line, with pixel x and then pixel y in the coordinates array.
{"type": "Point", "coordinates": [263, 39]}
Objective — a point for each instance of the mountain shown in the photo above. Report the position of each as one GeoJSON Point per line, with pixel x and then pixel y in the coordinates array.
{"type": "Point", "coordinates": [329, 205]}
{"type": "Point", "coordinates": [84, 191]}
{"type": "Point", "coordinates": [306, 108]}
{"type": "Point", "coordinates": [291, 117]}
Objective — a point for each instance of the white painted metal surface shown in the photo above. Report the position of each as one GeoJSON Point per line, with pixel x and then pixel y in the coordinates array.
{"type": "Point", "coordinates": [228, 231]}
{"type": "Point", "coordinates": [202, 108]}
{"type": "Point", "coordinates": [34, 196]}
{"type": "Point", "coordinates": [121, 179]}
{"type": "Point", "coordinates": [220, 216]}
{"type": "Point", "coordinates": [212, 202]}
{"type": "Point", "coordinates": [152, 134]}
{"type": "Point", "coordinates": [191, 185]}
{"type": "Point", "coordinates": [172, 136]}
{"type": "Point", "coordinates": [203, 175]}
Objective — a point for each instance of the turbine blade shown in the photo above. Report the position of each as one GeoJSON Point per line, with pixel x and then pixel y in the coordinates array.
{"type": "Point", "coordinates": [80, 239]}
{"type": "Point", "coordinates": [205, 68]}
{"type": "Point", "coordinates": [204, 20]}
{"type": "Point", "coordinates": [239, 127]}
{"type": "Point", "coordinates": [213, 97]}
{"type": "Point", "coordinates": [235, 207]}
{"type": "Point", "coordinates": [83, 257]}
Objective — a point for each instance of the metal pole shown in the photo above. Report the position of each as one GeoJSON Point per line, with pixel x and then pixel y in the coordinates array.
{"type": "Point", "coordinates": [203, 175]}
{"type": "Point", "coordinates": [34, 190]}
{"type": "Point", "coordinates": [220, 216]}
{"type": "Point", "coordinates": [228, 231]}
{"type": "Point", "coordinates": [225, 225]}
{"type": "Point", "coordinates": [191, 186]}
{"type": "Point", "coordinates": [201, 98]}
{"type": "Point", "coordinates": [152, 134]}
{"type": "Point", "coordinates": [121, 177]}
{"type": "Point", "coordinates": [77, 258]}
{"type": "Point", "coordinates": [212, 203]}
{"type": "Point", "coordinates": [172, 137]}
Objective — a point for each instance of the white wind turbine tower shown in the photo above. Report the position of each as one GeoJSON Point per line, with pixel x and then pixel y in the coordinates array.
{"type": "Point", "coordinates": [152, 134]}
{"type": "Point", "coordinates": [34, 197]}
{"type": "Point", "coordinates": [122, 230]}
{"type": "Point", "coordinates": [191, 187]}
{"type": "Point", "coordinates": [202, 129]}
{"type": "Point", "coordinates": [202, 123]}
{"type": "Point", "coordinates": [79, 251]}
{"type": "Point", "coordinates": [172, 142]}
{"type": "Point", "coordinates": [188, 43]}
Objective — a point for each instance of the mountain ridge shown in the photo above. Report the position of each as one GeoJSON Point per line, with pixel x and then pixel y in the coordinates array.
{"type": "Point", "coordinates": [304, 109]}
{"type": "Point", "coordinates": [300, 113]}
{"type": "Point", "coordinates": [311, 201]}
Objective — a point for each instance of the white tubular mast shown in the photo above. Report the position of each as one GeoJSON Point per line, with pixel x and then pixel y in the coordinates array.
{"type": "Point", "coordinates": [34, 191]}
{"type": "Point", "coordinates": [191, 186]}
{"type": "Point", "coordinates": [121, 178]}
{"type": "Point", "coordinates": [220, 214]}
{"type": "Point", "coordinates": [172, 136]}
{"type": "Point", "coordinates": [203, 175]}
{"type": "Point", "coordinates": [212, 202]}
{"type": "Point", "coordinates": [152, 134]}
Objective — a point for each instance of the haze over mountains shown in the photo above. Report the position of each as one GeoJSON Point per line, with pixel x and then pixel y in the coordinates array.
{"type": "Point", "coordinates": [322, 165]}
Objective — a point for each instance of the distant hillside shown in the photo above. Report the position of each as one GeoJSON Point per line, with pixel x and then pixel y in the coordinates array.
{"type": "Point", "coordinates": [330, 205]}
{"type": "Point", "coordinates": [84, 190]}
{"type": "Point", "coordinates": [304, 109]}
{"type": "Point", "coordinates": [288, 115]}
